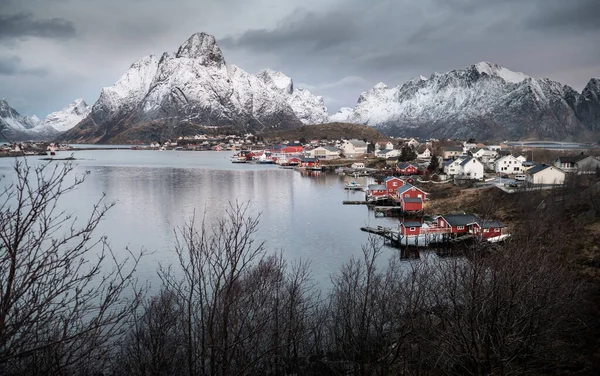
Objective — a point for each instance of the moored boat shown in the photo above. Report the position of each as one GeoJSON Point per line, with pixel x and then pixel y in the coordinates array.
{"type": "Point", "coordinates": [353, 186]}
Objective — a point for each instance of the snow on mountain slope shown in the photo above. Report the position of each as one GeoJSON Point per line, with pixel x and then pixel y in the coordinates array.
{"type": "Point", "coordinates": [196, 86]}
{"type": "Point", "coordinates": [484, 100]}
{"type": "Point", "coordinates": [308, 108]}
{"type": "Point", "coordinates": [14, 126]}
{"type": "Point", "coordinates": [68, 117]}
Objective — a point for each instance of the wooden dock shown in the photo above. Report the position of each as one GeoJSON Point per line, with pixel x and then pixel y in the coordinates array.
{"type": "Point", "coordinates": [356, 202]}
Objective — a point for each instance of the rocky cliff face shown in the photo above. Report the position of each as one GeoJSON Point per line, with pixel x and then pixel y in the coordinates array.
{"type": "Point", "coordinates": [159, 97]}
{"type": "Point", "coordinates": [484, 101]}
{"type": "Point", "coordinates": [588, 105]}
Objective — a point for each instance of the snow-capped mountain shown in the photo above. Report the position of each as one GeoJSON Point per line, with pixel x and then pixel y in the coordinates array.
{"type": "Point", "coordinates": [178, 92]}
{"type": "Point", "coordinates": [16, 127]}
{"type": "Point", "coordinates": [68, 117]}
{"type": "Point", "coordinates": [484, 101]}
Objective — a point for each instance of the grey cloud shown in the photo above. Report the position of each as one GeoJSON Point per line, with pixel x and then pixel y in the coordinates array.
{"type": "Point", "coordinates": [12, 66]}
{"type": "Point", "coordinates": [9, 66]}
{"type": "Point", "coordinates": [309, 29]}
{"type": "Point", "coordinates": [19, 25]}
{"type": "Point", "coordinates": [574, 15]}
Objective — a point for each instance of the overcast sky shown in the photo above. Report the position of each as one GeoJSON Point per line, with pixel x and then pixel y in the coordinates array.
{"type": "Point", "coordinates": [54, 51]}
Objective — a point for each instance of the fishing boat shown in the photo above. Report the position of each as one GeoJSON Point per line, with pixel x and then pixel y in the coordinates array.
{"type": "Point", "coordinates": [264, 159]}
{"type": "Point", "coordinates": [353, 186]}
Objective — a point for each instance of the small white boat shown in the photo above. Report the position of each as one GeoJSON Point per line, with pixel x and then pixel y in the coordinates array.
{"type": "Point", "coordinates": [353, 186]}
{"type": "Point", "coordinates": [239, 158]}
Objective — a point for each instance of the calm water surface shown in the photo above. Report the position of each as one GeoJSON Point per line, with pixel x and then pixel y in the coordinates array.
{"type": "Point", "coordinates": [157, 192]}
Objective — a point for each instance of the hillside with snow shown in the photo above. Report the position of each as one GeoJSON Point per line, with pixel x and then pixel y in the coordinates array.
{"type": "Point", "coordinates": [484, 101]}
{"type": "Point", "coordinates": [184, 91]}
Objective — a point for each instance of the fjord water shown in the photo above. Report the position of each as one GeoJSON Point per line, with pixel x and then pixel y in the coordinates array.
{"type": "Point", "coordinates": [301, 215]}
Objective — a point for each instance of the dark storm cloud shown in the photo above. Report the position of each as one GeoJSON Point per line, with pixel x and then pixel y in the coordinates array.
{"type": "Point", "coordinates": [575, 15]}
{"type": "Point", "coordinates": [311, 30]}
{"type": "Point", "coordinates": [24, 24]}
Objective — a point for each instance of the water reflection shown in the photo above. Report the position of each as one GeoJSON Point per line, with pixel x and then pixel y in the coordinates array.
{"type": "Point", "coordinates": [301, 213]}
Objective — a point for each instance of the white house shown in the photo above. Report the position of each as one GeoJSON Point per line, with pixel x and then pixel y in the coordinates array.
{"type": "Point", "coordinates": [469, 146]}
{"type": "Point", "coordinates": [413, 143]}
{"type": "Point", "coordinates": [508, 165]}
{"type": "Point", "coordinates": [452, 151]}
{"type": "Point", "coordinates": [387, 153]}
{"type": "Point", "coordinates": [581, 163]}
{"type": "Point", "coordinates": [426, 154]}
{"type": "Point", "coordinates": [353, 148]}
{"type": "Point", "coordinates": [485, 156]}
{"type": "Point", "coordinates": [324, 152]}
{"type": "Point", "coordinates": [522, 159]}
{"type": "Point", "coordinates": [358, 166]}
{"type": "Point", "coordinates": [385, 145]}
{"type": "Point", "coordinates": [545, 174]}
{"type": "Point", "coordinates": [470, 168]}
{"type": "Point", "coordinates": [452, 167]}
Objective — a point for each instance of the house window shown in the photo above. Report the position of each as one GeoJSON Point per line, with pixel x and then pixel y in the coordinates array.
{"type": "Point", "coordinates": [486, 230]}
{"type": "Point", "coordinates": [412, 229]}
{"type": "Point", "coordinates": [395, 184]}
{"type": "Point", "coordinates": [442, 224]}
{"type": "Point", "coordinates": [420, 196]}
{"type": "Point", "coordinates": [460, 227]}
{"type": "Point", "coordinates": [496, 230]}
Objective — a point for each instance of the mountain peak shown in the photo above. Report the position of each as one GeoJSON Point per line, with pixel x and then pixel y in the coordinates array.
{"type": "Point", "coordinates": [380, 85]}
{"type": "Point", "coordinates": [495, 70]}
{"type": "Point", "coordinates": [201, 46]}
{"type": "Point", "coordinates": [276, 80]}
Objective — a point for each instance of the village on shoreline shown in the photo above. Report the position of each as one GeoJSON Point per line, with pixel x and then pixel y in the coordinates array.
{"type": "Point", "coordinates": [404, 171]}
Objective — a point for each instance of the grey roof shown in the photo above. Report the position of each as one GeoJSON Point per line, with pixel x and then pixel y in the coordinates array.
{"type": "Point", "coordinates": [460, 219]}
{"type": "Point", "coordinates": [358, 143]}
{"type": "Point", "coordinates": [377, 187]}
{"type": "Point", "coordinates": [448, 162]}
{"type": "Point", "coordinates": [404, 188]}
{"type": "Point", "coordinates": [329, 148]}
{"type": "Point", "coordinates": [411, 224]}
{"type": "Point", "coordinates": [571, 158]}
{"type": "Point", "coordinates": [537, 168]}
{"type": "Point", "coordinates": [488, 223]}
{"type": "Point", "coordinates": [412, 200]}
{"type": "Point", "coordinates": [465, 161]}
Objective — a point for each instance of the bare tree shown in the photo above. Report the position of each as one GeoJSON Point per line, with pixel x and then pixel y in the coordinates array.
{"type": "Point", "coordinates": [241, 311]}
{"type": "Point", "coordinates": [64, 296]}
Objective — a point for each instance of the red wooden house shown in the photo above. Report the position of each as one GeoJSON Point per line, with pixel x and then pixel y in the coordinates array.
{"type": "Point", "coordinates": [409, 190]}
{"type": "Point", "coordinates": [292, 149]}
{"type": "Point", "coordinates": [459, 223]}
{"type": "Point", "coordinates": [410, 227]}
{"type": "Point", "coordinates": [409, 204]}
{"type": "Point", "coordinates": [471, 224]}
{"type": "Point", "coordinates": [393, 183]}
{"type": "Point", "coordinates": [406, 168]}
{"type": "Point", "coordinates": [487, 228]}
{"type": "Point", "coordinates": [310, 163]}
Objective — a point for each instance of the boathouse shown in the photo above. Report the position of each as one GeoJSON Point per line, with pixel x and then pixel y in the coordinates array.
{"type": "Point", "coordinates": [410, 227]}
{"type": "Point", "coordinates": [486, 228]}
{"type": "Point", "coordinates": [459, 223]}
{"type": "Point", "coordinates": [409, 204]}
{"type": "Point", "coordinates": [309, 162]}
